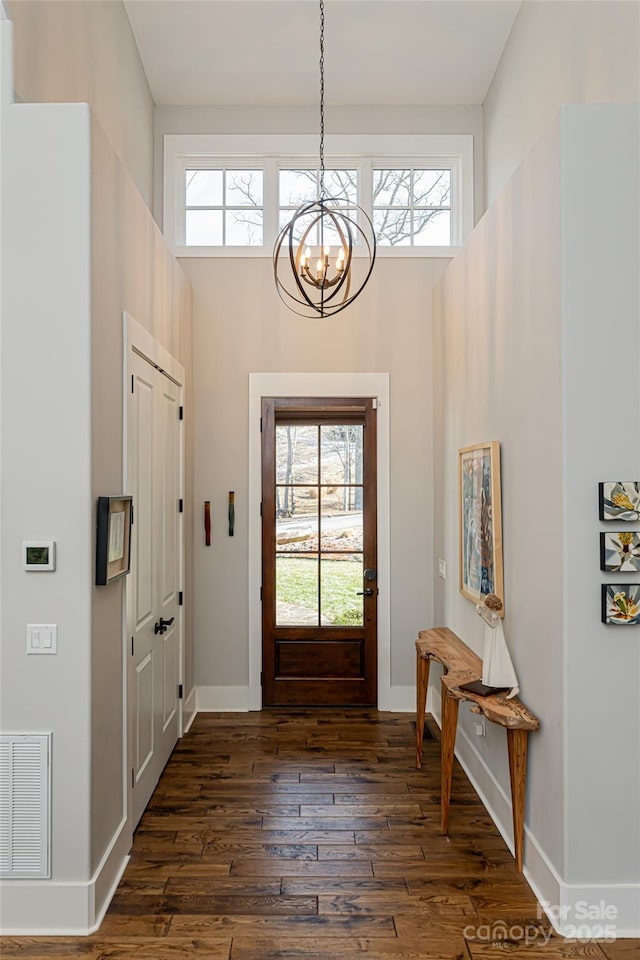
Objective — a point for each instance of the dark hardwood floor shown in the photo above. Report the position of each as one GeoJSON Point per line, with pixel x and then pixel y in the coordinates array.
{"type": "Point", "coordinates": [310, 834]}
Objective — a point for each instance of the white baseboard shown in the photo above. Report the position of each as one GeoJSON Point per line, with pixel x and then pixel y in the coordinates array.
{"type": "Point", "coordinates": [586, 907]}
{"type": "Point", "coordinates": [223, 699]}
{"type": "Point", "coordinates": [189, 711]}
{"type": "Point", "coordinates": [398, 699]}
{"type": "Point", "coordinates": [45, 908]}
{"type": "Point", "coordinates": [564, 904]}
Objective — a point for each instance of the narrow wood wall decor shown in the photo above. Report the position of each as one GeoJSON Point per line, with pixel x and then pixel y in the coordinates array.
{"type": "Point", "coordinates": [232, 512]}
{"type": "Point", "coordinates": [207, 523]}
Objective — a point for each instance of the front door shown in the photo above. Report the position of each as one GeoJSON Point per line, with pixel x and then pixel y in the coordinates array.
{"type": "Point", "coordinates": [154, 477]}
{"type": "Point", "coordinates": [319, 563]}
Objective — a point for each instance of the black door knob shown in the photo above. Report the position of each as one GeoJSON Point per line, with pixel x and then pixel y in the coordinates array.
{"type": "Point", "coordinates": [365, 593]}
{"type": "Point", "coordinates": [162, 625]}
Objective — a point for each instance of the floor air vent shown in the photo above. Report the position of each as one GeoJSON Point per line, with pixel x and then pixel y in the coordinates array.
{"type": "Point", "coordinates": [24, 805]}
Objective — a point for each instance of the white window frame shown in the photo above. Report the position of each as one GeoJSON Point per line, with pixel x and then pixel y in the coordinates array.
{"type": "Point", "coordinates": [224, 207]}
{"type": "Point", "coordinates": [273, 152]}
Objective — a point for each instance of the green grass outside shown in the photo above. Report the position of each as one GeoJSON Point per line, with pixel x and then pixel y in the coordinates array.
{"type": "Point", "coordinates": [297, 582]}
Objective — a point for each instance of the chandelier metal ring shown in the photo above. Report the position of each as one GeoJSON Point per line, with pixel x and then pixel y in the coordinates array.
{"type": "Point", "coordinates": [326, 290]}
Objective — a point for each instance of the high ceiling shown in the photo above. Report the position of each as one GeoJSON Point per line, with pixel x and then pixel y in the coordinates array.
{"type": "Point", "coordinates": [265, 52]}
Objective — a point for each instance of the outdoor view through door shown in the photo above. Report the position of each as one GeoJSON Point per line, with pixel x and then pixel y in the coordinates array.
{"type": "Point", "coordinates": [319, 579]}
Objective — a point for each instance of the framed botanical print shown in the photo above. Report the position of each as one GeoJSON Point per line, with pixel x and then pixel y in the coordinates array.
{"type": "Point", "coordinates": [480, 522]}
{"type": "Point", "coordinates": [621, 604]}
{"type": "Point", "coordinates": [620, 552]}
{"type": "Point", "coordinates": [619, 500]}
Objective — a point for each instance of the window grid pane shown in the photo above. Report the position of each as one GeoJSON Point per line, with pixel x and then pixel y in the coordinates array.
{"type": "Point", "coordinates": [412, 207]}
{"type": "Point", "coordinates": [211, 219]}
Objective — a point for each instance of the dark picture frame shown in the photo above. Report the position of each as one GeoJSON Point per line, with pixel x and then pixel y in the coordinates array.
{"type": "Point", "coordinates": [619, 500]}
{"type": "Point", "coordinates": [621, 604]}
{"type": "Point", "coordinates": [113, 538]}
{"type": "Point", "coordinates": [620, 551]}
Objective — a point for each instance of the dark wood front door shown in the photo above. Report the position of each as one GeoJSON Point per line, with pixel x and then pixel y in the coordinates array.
{"type": "Point", "coordinates": [319, 563]}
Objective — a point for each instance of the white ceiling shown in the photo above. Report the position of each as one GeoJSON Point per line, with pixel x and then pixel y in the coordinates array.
{"type": "Point", "coordinates": [265, 52]}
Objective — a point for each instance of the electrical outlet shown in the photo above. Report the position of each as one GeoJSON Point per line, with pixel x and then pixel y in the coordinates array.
{"type": "Point", "coordinates": [442, 569]}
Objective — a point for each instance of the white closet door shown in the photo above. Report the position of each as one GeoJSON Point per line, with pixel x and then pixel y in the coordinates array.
{"type": "Point", "coordinates": [153, 467]}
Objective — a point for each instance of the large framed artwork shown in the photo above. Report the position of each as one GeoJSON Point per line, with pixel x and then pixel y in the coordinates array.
{"type": "Point", "coordinates": [480, 513]}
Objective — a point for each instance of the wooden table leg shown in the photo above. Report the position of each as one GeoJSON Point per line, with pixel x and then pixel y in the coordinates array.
{"type": "Point", "coordinates": [517, 741]}
{"type": "Point", "coordinates": [422, 685]}
{"type": "Point", "coordinates": [449, 726]}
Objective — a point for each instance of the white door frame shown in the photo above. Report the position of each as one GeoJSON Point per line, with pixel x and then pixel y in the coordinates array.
{"type": "Point", "coordinates": [319, 385]}
{"type": "Point", "coordinates": [136, 338]}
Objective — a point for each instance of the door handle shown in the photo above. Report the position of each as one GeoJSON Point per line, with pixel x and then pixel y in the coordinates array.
{"type": "Point", "coordinates": [365, 593]}
{"type": "Point", "coordinates": [162, 625]}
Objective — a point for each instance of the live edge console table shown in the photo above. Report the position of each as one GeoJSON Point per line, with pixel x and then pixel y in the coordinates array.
{"type": "Point", "coordinates": [461, 665]}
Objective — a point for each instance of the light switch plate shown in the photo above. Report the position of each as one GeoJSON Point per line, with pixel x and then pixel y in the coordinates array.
{"type": "Point", "coordinates": [442, 569]}
{"type": "Point", "coordinates": [42, 638]}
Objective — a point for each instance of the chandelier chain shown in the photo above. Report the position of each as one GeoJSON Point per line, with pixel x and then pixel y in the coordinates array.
{"type": "Point", "coordinates": [323, 287]}
{"type": "Point", "coordinates": [321, 99]}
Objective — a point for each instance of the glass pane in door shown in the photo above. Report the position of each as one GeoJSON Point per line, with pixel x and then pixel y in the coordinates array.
{"type": "Point", "coordinates": [341, 580]}
{"type": "Point", "coordinates": [297, 594]}
{"type": "Point", "coordinates": [341, 453]}
{"type": "Point", "coordinates": [341, 519]}
{"type": "Point", "coordinates": [296, 454]}
{"type": "Point", "coordinates": [296, 519]}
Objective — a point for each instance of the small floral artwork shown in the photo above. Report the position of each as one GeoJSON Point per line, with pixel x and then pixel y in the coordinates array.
{"type": "Point", "coordinates": [620, 552]}
{"type": "Point", "coordinates": [620, 500]}
{"type": "Point", "coordinates": [621, 603]}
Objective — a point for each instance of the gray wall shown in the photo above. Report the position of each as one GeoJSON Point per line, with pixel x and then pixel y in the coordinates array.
{"type": "Point", "coordinates": [240, 326]}
{"type": "Point", "coordinates": [566, 51]}
{"type": "Point", "coordinates": [497, 356]}
{"type": "Point", "coordinates": [301, 120]}
{"type": "Point", "coordinates": [537, 340]}
{"type": "Point", "coordinates": [601, 314]}
{"type": "Point", "coordinates": [132, 270]}
{"type": "Point", "coordinates": [85, 51]}
{"type": "Point", "coordinates": [79, 247]}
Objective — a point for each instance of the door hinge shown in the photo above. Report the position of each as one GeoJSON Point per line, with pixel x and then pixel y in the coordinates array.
{"type": "Point", "coordinates": [133, 778]}
{"type": "Point", "coordinates": [260, 424]}
{"type": "Point", "coordinates": [180, 505]}
{"type": "Point", "coordinates": [180, 412]}
{"type": "Point", "coordinates": [261, 678]}
{"type": "Point", "coordinates": [132, 383]}
{"type": "Point", "coordinates": [180, 598]}
{"type": "Point", "coordinates": [132, 520]}
{"type": "Point", "coordinates": [261, 508]}
{"type": "Point", "coordinates": [260, 593]}
{"type": "Point", "coordinates": [131, 646]}
{"type": "Point", "coordinates": [180, 693]}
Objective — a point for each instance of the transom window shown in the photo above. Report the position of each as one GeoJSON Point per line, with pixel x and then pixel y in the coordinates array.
{"type": "Point", "coordinates": [218, 204]}
{"type": "Point", "coordinates": [224, 208]}
{"type": "Point", "coordinates": [412, 207]}
{"type": "Point", "coordinates": [298, 187]}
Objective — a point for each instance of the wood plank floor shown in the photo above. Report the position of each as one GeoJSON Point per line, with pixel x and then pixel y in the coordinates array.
{"type": "Point", "coordinates": [310, 834]}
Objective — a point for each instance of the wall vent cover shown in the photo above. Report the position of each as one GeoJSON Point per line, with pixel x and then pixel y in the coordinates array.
{"type": "Point", "coordinates": [24, 805]}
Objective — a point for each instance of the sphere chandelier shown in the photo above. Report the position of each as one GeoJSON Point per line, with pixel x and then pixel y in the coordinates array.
{"type": "Point", "coordinates": [311, 280]}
